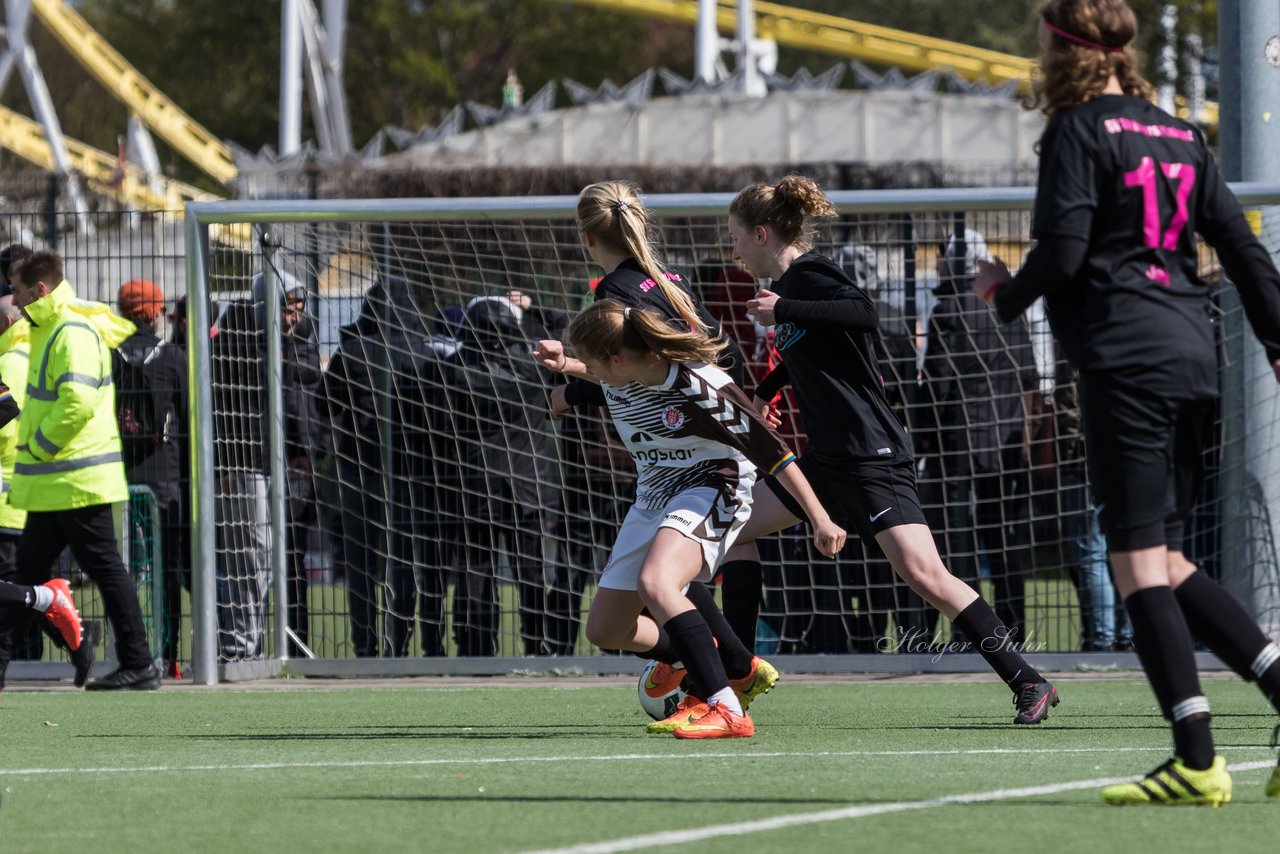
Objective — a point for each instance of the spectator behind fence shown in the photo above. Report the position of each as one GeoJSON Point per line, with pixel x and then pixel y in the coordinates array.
{"type": "Point", "coordinates": [238, 359]}
{"type": "Point", "coordinates": [15, 341]}
{"type": "Point", "coordinates": [879, 590]}
{"type": "Point", "coordinates": [1104, 623]}
{"type": "Point", "coordinates": [598, 479]}
{"type": "Point", "coordinates": [151, 402]}
{"type": "Point", "coordinates": [424, 514]}
{"type": "Point", "coordinates": [9, 256]}
{"type": "Point", "coordinates": [182, 441]}
{"type": "Point", "coordinates": [500, 399]}
{"type": "Point", "coordinates": [68, 473]}
{"type": "Point", "coordinates": [976, 375]}
{"type": "Point", "coordinates": [360, 439]}
{"type": "Point", "coordinates": [376, 393]}
{"type": "Point", "coordinates": [306, 442]}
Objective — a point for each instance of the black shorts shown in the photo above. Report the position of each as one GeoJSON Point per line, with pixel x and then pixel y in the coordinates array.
{"type": "Point", "coordinates": [868, 498]}
{"type": "Point", "coordinates": [1146, 460]}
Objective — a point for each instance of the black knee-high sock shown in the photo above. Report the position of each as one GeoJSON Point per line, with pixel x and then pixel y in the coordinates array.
{"type": "Point", "coordinates": [691, 635]}
{"type": "Point", "coordinates": [17, 594]}
{"type": "Point", "coordinates": [664, 650]}
{"type": "Point", "coordinates": [1163, 643]}
{"type": "Point", "coordinates": [990, 637]}
{"type": "Point", "coordinates": [742, 582]}
{"type": "Point", "coordinates": [734, 654]}
{"type": "Point", "coordinates": [1222, 624]}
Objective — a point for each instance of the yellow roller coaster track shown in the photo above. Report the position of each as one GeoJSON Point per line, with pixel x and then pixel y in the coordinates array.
{"type": "Point", "coordinates": [114, 72]}
{"type": "Point", "coordinates": [26, 139]}
{"type": "Point", "coordinates": [853, 39]}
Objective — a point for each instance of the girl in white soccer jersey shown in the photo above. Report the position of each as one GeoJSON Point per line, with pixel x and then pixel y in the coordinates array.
{"type": "Point", "coordinates": [697, 443]}
{"type": "Point", "coordinates": [619, 235]}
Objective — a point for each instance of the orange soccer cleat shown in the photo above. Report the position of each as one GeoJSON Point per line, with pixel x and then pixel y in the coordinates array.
{"type": "Point", "coordinates": [719, 722]}
{"type": "Point", "coordinates": [62, 613]}
{"type": "Point", "coordinates": [690, 709]}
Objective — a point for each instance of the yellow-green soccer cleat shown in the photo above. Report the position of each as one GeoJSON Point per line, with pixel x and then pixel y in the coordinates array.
{"type": "Point", "coordinates": [1273, 785]}
{"type": "Point", "coordinates": [689, 709]}
{"type": "Point", "coordinates": [1174, 783]}
{"type": "Point", "coordinates": [762, 677]}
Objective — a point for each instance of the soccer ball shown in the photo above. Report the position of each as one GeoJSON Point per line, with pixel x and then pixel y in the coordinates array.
{"type": "Point", "coordinates": [657, 701]}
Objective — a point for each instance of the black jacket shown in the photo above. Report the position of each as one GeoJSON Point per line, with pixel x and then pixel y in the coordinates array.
{"type": "Point", "coordinates": [498, 407]}
{"type": "Point", "coordinates": [374, 388]}
{"type": "Point", "coordinates": [158, 466]}
{"type": "Point", "coordinates": [976, 372]}
{"type": "Point", "coordinates": [238, 359]}
{"type": "Point", "coordinates": [304, 433]}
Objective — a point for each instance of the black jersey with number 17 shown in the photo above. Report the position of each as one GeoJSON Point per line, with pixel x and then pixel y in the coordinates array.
{"type": "Point", "coordinates": [1138, 184]}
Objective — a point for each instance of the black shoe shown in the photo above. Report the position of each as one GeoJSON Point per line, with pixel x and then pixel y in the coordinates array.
{"type": "Point", "coordinates": [143, 679]}
{"type": "Point", "coordinates": [1034, 699]}
{"type": "Point", "coordinates": [82, 659]}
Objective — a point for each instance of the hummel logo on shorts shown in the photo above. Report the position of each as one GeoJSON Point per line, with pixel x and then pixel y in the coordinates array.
{"type": "Point", "coordinates": [881, 513]}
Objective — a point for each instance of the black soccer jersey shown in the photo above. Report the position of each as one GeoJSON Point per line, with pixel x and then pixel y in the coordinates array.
{"type": "Point", "coordinates": [697, 428]}
{"type": "Point", "coordinates": [630, 285]}
{"type": "Point", "coordinates": [1136, 184]}
{"type": "Point", "coordinates": [826, 335]}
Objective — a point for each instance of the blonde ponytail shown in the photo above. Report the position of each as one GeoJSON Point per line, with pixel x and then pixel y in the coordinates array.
{"type": "Point", "coordinates": [611, 212]}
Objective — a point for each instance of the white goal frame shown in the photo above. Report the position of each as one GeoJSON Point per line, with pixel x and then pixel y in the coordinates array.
{"type": "Point", "coordinates": [202, 217]}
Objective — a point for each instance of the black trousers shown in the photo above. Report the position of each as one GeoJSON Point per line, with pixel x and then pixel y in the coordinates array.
{"type": "Point", "coordinates": [91, 534]}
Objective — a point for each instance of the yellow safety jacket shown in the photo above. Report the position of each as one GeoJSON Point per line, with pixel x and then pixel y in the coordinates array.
{"type": "Point", "coordinates": [68, 440]}
{"type": "Point", "coordinates": [15, 343]}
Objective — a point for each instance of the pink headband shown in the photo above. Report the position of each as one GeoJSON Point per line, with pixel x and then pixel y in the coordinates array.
{"type": "Point", "coordinates": [1074, 38]}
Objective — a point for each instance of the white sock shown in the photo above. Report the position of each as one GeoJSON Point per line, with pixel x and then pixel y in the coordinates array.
{"type": "Point", "coordinates": [725, 695]}
{"type": "Point", "coordinates": [44, 598]}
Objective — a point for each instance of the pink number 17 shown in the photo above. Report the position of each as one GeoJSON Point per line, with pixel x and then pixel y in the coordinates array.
{"type": "Point", "coordinates": [1145, 177]}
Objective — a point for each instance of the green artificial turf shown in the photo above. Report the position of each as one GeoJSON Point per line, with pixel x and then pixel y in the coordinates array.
{"type": "Point", "coordinates": [434, 768]}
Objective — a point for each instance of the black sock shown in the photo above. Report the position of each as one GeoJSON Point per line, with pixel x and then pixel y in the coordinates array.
{"type": "Point", "coordinates": [1221, 623]}
{"type": "Point", "coordinates": [664, 650]}
{"type": "Point", "coordinates": [734, 655]}
{"type": "Point", "coordinates": [691, 635]}
{"type": "Point", "coordinates": [17, 594]}
{"type": "Point", "coordinates": [742, 583]}
{"type": "Point", "coordinates": [990, 637]}
{"type": "Point", "coordinates": [1163, 643]}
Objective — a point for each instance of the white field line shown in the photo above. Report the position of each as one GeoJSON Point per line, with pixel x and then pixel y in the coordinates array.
{"type": "Point", "coordinates": [720, 831]}
{"type": "Point", "coordinates": [621, 757]}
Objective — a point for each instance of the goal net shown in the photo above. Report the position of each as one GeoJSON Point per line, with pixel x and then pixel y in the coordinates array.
{"type": "Point", "coordinates": [380, 454]}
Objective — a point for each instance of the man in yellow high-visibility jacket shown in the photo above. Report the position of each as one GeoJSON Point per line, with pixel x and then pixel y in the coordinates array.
{"type": "Point", "coordinates": [14, 341]}
{"type": "Point", "coordinates": [69, 474]}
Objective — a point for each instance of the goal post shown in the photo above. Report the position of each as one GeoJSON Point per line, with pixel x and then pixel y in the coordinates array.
{"type": "Point", "coordinates": [428, 518]}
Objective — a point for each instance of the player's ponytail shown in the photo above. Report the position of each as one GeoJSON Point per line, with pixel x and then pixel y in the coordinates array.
{"type": "Point", "coordinates": [790, 208]}
{"type": "Point", "coordinates": [608, 327]}
{"type": "Point", "coordinates": [611, 212]}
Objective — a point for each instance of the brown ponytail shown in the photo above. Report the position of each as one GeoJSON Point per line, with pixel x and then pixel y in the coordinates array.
{"type": "Point", "coordinates": [608, 327]}
{"type": "Point", "coordinates": [790, 208]}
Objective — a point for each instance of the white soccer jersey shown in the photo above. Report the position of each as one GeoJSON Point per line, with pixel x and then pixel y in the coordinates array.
{"type": "Point", "coordinates": [695, 429]}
